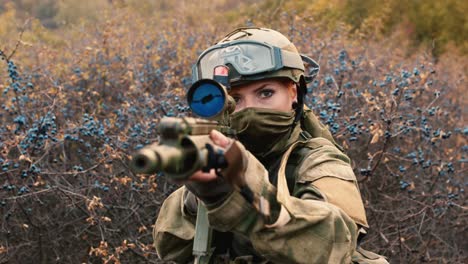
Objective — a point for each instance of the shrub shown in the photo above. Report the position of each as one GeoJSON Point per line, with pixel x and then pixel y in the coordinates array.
{"type": "Point", "coordinates": [73, 112]}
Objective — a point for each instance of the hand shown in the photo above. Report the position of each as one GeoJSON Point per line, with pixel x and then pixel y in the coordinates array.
{"type": "Point", "coordinates": [219, 140]}
{"type": "Point", "coordinates": [209, 187]}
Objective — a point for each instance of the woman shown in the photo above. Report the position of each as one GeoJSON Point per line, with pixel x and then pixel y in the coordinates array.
{"type": "Point", "coordinates": [291, 197]}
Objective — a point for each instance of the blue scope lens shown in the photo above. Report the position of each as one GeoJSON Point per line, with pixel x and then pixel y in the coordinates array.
{"type": "Point", "coordinates": [206, 98]}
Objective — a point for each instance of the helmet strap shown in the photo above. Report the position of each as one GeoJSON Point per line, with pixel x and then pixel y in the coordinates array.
{"type": "Point", "coordinates": [299, 105]}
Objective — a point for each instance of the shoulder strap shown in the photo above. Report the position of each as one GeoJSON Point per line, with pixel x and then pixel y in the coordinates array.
{"type": "Point", "coordinates": [294, 161]}
{"type": "Point", "coordinates": [202, 241]}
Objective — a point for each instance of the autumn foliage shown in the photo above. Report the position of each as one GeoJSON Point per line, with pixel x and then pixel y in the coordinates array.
{"type": "Point", "coordinates": [82, 91]}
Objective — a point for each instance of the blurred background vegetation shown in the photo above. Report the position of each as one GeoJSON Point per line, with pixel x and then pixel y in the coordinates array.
{"type": "Point", "coordinates": [436, 25]}
{"type": "Point", "coordinates": [84, 84]}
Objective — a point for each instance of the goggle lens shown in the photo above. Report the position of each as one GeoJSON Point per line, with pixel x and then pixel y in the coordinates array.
{"type": "Point", "coordinates": [246, 58]}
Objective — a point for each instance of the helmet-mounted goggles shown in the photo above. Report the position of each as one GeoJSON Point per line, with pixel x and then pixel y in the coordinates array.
{"type": "Point", "coordinates": [247, 57]}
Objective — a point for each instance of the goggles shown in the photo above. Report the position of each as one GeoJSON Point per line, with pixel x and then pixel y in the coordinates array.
{"type": "Point", "coordinates": [247, 57]}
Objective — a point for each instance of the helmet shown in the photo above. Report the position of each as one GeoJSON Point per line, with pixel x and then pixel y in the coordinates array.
{"type": "Point", "coordinates": [253, 53]}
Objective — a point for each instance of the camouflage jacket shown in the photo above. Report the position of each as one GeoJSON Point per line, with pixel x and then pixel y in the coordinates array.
{"type": "Point", "coordinates": [317, 222]}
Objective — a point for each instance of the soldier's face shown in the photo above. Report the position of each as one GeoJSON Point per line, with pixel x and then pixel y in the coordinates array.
{"type": "Point", "coordinates": [274, 94]}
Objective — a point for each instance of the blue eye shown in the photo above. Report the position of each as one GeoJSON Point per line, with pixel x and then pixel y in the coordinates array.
{"type": "Point", "coordinates": [266, 93]}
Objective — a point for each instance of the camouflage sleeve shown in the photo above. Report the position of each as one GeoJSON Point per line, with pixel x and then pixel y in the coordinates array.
{"type": "Point", "coordinates": [303, 230]}
{"type": "Point", "coordinates": [174, 229]}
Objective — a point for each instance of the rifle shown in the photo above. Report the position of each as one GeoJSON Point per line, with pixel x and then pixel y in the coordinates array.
{"type": "Point", "coordinates": [185, 147]}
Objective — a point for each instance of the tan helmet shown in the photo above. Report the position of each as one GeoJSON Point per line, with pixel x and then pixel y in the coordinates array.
{"type": "Point", "coordinates": [235, 50]}
{"type": "Point", "coordinates": [270, 37]}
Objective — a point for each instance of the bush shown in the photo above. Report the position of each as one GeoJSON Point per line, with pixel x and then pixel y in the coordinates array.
{"type": "Point", "coordinates": [74, 111]}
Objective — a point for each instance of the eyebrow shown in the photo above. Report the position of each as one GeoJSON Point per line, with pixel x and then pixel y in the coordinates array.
{"type": "Point", "coordinates": [232, 93]}
{"type": "Point", "coordinates": [261, 87]}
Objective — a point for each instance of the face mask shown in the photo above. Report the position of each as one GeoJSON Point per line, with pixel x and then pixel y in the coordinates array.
{"type": "Point", "coordinates": [263, 131]}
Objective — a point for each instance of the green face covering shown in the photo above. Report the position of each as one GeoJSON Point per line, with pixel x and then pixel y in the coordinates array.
{"type": "Point", "coordinates": [263, 131]}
